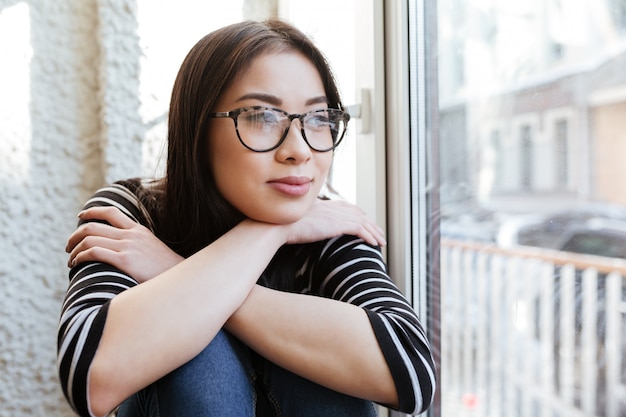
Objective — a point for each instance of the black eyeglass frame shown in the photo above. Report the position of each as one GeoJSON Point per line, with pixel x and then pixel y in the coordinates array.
{"type": "Point", "coordinates": [233, 114]}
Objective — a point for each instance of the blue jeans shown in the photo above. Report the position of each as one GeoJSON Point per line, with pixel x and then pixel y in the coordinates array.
{"type": "Point", "coordinates": [227, 380]}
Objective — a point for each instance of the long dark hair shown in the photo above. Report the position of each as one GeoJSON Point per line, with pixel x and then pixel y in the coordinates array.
{"type": "Point", "coordinates": [191, 213]}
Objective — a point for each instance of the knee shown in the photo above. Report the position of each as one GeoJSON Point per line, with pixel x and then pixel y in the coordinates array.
{"type": "Point", "coordinates": [217, 377]}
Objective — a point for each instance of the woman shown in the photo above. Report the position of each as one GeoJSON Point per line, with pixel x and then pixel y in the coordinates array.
{"type": "Point", "coordinates": [229, 287]}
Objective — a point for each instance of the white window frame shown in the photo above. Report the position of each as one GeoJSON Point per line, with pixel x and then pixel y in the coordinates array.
{"type": "Point", "coordinates": [393, 157]}
{"type": "Point", "coordinates": [371, 154]}
{"type": "Point", "coordinates": [567, 114]}
{"type": "Point", "coordinates": [411, 158]}
{"type": "Point", "coordinates": [533, 122]}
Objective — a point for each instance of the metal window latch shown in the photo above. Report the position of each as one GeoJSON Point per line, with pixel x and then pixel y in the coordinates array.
{"type": "Point", "coordinates": [362, 111]}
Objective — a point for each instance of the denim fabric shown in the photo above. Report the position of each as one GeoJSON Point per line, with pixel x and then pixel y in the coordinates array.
{"type": "Point", "coordinates": [217, 382]}
{"type": "Point", "coordinates": [220, 382]}
{"type": "Point", "coordinates": [295, 396]}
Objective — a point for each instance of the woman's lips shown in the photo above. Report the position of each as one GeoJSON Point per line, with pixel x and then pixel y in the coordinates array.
{"type": "Point", "coordinates": [293, 186]}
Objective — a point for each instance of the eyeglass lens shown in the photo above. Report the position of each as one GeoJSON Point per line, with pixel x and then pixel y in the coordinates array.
{"type": "Point", "coordinates": [263, 128]}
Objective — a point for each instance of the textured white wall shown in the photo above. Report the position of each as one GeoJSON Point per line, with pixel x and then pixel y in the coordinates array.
{"type": "Point", "coordinates": [68, 121]}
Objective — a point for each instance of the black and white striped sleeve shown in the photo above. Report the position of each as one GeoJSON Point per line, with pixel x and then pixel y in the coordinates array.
{"type": "Point", "coordinates": [84, 310]}
{"type": "Point", "coordinates": [352, 271]}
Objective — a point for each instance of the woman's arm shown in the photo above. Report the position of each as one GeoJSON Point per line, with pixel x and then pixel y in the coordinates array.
{"type": "Point", "coordinates": [117, 337]}
{"type": "Point", "coordinates": [359, 336]}
{"type": "Point", "coordinates": [147, 330]}
{"type": "Point", "coordinates": [153, 328]}
{"type": "Point", "coordinates": [326, 341]}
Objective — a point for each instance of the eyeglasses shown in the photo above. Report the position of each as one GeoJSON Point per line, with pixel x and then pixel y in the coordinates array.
{"type": "Point", "coordinates": [262, 129]}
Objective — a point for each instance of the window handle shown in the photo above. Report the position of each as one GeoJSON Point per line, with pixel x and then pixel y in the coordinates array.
{"type": "Point", "coordinates": [362, 110]}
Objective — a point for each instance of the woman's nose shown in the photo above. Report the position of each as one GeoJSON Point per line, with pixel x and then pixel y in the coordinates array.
{"type": "Point", "coordinates": [294, 147]}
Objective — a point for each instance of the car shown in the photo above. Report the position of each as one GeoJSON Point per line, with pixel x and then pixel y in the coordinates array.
{"type": "Point", "coordinates": [599, 237]}
{"type": "Point", "coordinates": [573, 230]}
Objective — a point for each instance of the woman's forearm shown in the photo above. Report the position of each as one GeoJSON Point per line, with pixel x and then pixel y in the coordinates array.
{"type": "Point", "coordinates": [327, 341]}
{"type": "Point", "coordinates": [159, 325]}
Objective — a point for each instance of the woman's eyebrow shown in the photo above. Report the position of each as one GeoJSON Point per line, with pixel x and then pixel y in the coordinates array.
{"type": "Point", "coordinates": [267, 98]}
{"type": "Point", "coordinates": [317, 100]}
{"type": "Point", "coordinates": [276, 101]}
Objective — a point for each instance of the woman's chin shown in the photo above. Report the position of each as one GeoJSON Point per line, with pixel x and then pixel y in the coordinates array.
{"type": "Point", "coordinates": [279, 218]}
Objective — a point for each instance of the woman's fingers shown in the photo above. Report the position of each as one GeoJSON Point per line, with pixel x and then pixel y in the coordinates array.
{"type": "Point", "coordinates": [94, 254]}
{"type": "Point", "coordinates": [91, 229]}
{"type": "Point", "coordinates": [359, 224]}
{"type": "Point", "coordinates": [328, 219]}
{"type": "Point", "coordinates": [370, 233]}
{"type": "Point", "coordinates": [110, 214]}
{"type": "Point", "coordinates": [374, 235]}
{"type": "Point", "coordinates": [109, 236]}
{"type": "Point", "coordinates": [93, 226]}
{"type": "Point", "coordinates": [88, 248]}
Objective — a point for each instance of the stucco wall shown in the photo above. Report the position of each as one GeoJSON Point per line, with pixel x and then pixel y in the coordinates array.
{"type": "Point", "coordinates": [68, 122]}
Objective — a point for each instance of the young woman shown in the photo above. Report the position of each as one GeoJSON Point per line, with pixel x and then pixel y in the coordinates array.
{"type": "Point", "coordinates": [229, 287]}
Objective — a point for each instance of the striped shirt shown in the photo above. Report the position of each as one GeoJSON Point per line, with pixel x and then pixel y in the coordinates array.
{"type": "Point", "coordinates": [343, 268]}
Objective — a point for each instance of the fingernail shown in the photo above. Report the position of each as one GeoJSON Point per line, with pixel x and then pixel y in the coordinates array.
{"type": "Point", "coordinates": [81, 214]}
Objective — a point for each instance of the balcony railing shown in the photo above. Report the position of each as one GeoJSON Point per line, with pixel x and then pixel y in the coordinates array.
{"type": "Point", "coordinates": [531, 332]}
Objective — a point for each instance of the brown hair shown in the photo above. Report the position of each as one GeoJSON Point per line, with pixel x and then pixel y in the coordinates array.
{"type": "Point", "coordinates": [192, 213]}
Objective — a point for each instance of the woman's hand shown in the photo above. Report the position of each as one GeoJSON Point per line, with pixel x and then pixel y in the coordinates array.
{"type": "Point", "coordinates": [329, 218]}
{"type": "Point", "coordinates": [135, 250]}
{"type": "Point", "coordinates": [122, 243]}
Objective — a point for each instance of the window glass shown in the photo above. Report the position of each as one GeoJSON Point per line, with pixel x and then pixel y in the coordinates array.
{"type": "Point", "coordinates": [532, 150]}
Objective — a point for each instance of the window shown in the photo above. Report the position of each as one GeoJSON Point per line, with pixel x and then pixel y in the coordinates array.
{"type": "Point", "coordinates": [618, 13]}
{"type": "Point", "coordinates": [560, 151]}
{"type": "Point", "coordinates": [528, 264]}
{"type": "Point", "coordinates": [526, 158]}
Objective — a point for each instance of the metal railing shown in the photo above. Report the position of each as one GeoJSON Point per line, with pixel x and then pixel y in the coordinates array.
{"type": "Point", "coordinates": [531, 332]}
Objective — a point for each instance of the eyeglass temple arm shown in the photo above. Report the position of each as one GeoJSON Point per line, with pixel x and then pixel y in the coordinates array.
{"type": "Point", "coordinates": [221, 114]}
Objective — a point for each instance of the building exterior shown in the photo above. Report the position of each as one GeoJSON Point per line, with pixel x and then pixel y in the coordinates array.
{"type": "Point", "coordinates": [532, 101]}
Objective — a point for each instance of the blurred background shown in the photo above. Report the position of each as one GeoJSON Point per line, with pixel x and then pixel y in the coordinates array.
{"type": "Point", "coordinates": [532, 116]}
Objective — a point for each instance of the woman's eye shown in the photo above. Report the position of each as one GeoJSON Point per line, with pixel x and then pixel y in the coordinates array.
{"type": "Point", "coordinates": [266, 117]}
{"type": "Point", "coordinates": [318, 121]}
{"type": "Point", "coordinates": [260, 117]}
{"type": "Point", "coordinates": [270, 117]}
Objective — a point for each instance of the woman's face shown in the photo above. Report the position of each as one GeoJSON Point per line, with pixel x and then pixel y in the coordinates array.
{"type": "Point", "coordinates": [278, 186]}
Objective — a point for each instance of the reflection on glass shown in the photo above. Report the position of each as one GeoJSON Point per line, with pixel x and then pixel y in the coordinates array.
{"type": "Point", "coordinates": [533, 207]}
